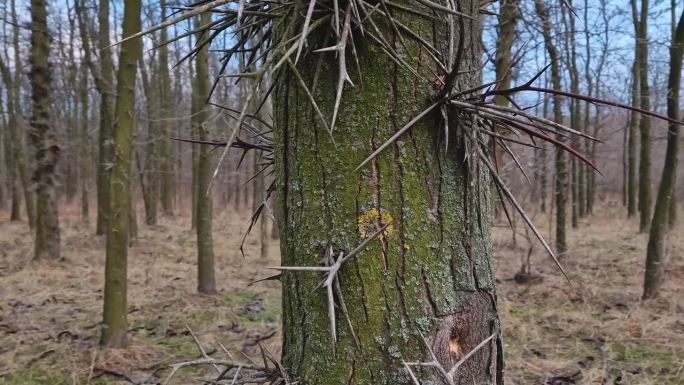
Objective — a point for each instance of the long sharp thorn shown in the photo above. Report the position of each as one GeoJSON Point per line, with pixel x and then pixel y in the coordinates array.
{"type": "Point", "coordinates": [522, 213]}
{"type": "Point", "coordinates": [399, 133]}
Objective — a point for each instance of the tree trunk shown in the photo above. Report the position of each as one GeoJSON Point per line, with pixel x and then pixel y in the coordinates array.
{"type": "Point", "coordinates": [166, 157]}
{"type": "Point", "coordinates": [43, 139]}
{"type": "Point", "coordinates": [578, 200]}
{"type": "Point", "coordinates": [631, 147]}
{"type": "Point", "coordinates": [644, 121]}
{"type": "Point", "coordinates": [508, 16]}
{"type": "Point", "coordinates": [150, 164]}
{"type": "Point", "coordinates": [114, 323]}
{"type": "Point", "coordinates": [206, 283]}
{"type": "Point", "coordinates": [430, 272]}
{"type": "Point", "coordinates": [105, 132]}
{"type": "Point", "coordinates": [19, 156]}
{"type": "Point", "coordinates": [561, 173]}
{"type": "Point", "coordinates": [10, 142]}
{"type": "Point", "coordinates": [85, 156]}
{"type": "Point", "coordinates": [655, 251]}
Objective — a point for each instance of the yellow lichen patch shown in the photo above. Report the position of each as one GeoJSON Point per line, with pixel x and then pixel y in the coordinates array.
{"type": "Point", "coordinates": [455, 346]}
{"type": "Point", "coordinates": [368, 220]}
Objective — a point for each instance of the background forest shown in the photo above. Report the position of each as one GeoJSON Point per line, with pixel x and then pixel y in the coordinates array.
{"type": "Point", "coordinates": [138, 219]}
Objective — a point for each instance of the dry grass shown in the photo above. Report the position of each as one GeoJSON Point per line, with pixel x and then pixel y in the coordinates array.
{"type": "Point", "coordinates": [598, 333]}
{"type": "Point", "coordinates": [50, 312]}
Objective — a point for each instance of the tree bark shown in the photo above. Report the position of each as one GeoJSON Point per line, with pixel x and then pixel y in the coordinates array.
{"type": "Point", "coordinates": [206, 282]}
{"type": "Point", "coordinates": [104, 85]}
{"type": "Point", "coordinates": [43, 139]}
{"type": "Point", "coordinates": [561, 173]}
{"type": "Point", "coordinates": [631, 147]}
{"type": "Point", "coordinates": [115, 293]}
{"type": "Point", "coordinates": [85, 156]}
{"type": "Point", "coordinates": [641, 24]}
{"type": "Point", "coordinates": [656, 246]}
{"type": "Point", "coordinates": [19, 155]}
{"type": "Point", "coordinates": [430, 272]}
{"type": "Point", "coordinates": [10, 143]}
{"type": "Point", "coordinates": [166, 161]}
{"type": "Point", "coordinates": [151, 162]}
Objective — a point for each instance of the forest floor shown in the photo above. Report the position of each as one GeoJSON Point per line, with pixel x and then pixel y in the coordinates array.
{"type": "Point", "coordinates": [597, 332]}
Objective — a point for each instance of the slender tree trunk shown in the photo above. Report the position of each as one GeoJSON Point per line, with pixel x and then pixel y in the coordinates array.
{"type": "Point", "coordinates": [10, 142]}
{"type": "Point", "coordinates": [150, 165]}
{"type": "Point", "coordinates": [115, 294]}
{"type": "Point", "coordinates": [21, 161]}
{"type": "Point", "coordinates": [577, 207]}
{"type": "Point", "coordinates": [105, 87]}
{"type": "Point", "coordinates": [561, 173]}
{"type": "Point", "coordinates": [43, 138]}
{"type": "Point", "coordinates": [644, 121]}
{"type": "Point", "coordinates": [631, 147]}
{"type": "Point", "coordinates": [655, 251]}
{"type": "Point", "coordinates": [543, 164]}
{"type": "Point", "coordinates": [85, 156]}
{"type": "Point", "coordinates": [502, 65]}
{"type": "Point", "coordinates": [71, 179]}
{"type": "Point", "coordinates": [206, 283]}
{"type": "Point", "coordinates": [430, 273]}
{"type": "Point", "coordinates": [166, 157]}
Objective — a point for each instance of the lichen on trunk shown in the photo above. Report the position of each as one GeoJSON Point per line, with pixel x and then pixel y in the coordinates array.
{"type": "Point", "coordinates": [430, 272]}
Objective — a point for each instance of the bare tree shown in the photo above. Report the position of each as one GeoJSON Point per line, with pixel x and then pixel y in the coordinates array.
{"type": "Point", "coordinates": [43, 139]}
{"type": "Point", "coordinates": [115, 325]}
{"type": "Point", "coordinates": [561, 172]}
{"type": "Point", "coordinates": [659, 225]}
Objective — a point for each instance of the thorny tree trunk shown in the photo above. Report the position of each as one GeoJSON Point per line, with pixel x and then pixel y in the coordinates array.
{"type": "Point", "coordinates": [105, 133]}
{"type": "Point", "coordinates": [656, 245]}
{"type": "Point", "coordinates": [561, 173]}
{"type": "Point", "coordinates": [641, 24]}
{"type": "Point", "coordinates": [114, 324]}
{"type": "Point", "coordinates": [206, 283]}
{"type": "Point", "coordinates": [431, 271]}
{"type": "Point", "coordinates": [47, 241]}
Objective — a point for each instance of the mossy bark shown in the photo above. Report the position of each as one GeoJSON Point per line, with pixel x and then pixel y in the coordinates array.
{"type": "Point", "coordinates": [114, 325]}
{"type": "Point", "coordinates": [655, 251]}
{"type": "Point", "coordinates": [430, 273]}
{"type": "Point", "coordinates": [43, 139]}
{"type": "Point", "coordinates": [206, 282]}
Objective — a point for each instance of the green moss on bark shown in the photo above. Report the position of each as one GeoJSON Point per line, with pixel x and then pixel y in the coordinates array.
{"type": "Point", "coordinates": [431, 274]}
